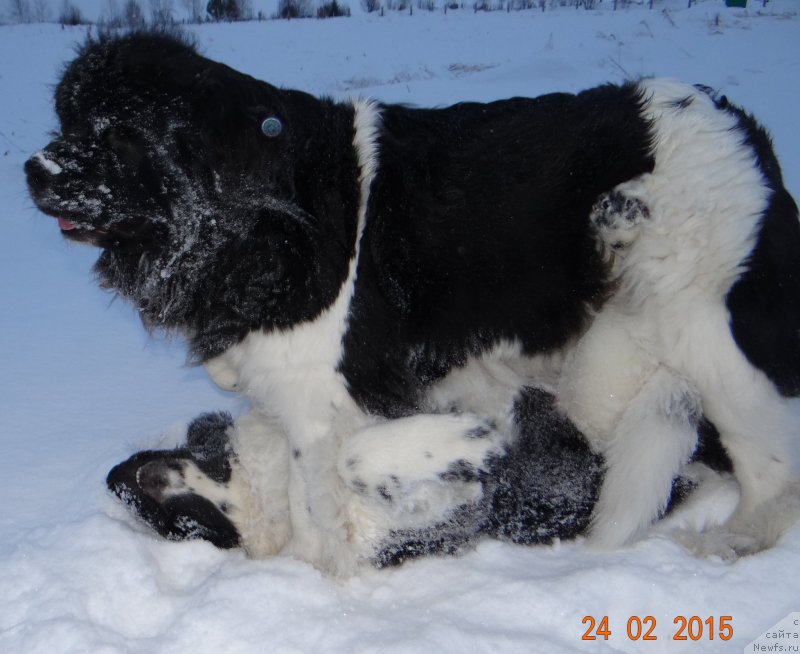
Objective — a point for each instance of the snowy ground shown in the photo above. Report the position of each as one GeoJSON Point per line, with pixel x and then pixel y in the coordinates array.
{"type": "Point", "coordinates": [82, 386]}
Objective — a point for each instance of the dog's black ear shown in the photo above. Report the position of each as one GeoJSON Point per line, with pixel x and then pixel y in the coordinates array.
{"type": "Point", "coordinates": [221, 96]}
{"type": "Point", "coordinates": [244, 120]}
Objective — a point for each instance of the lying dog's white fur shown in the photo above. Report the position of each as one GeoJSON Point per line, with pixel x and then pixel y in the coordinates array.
{"type": "Point", "coordinates": [381, 282]}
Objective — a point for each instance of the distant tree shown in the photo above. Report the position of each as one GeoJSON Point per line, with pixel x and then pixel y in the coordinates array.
{"type": "Point", "coordinates": [133, 15]}
{"type": "Point", "coordinates": [223, 10]}
{"type": "Point", "coordinates": [19, 11]}
{"type": "Point", "coordinates": [70, 14]}
{"type": "Point", "coordinates": [111, 18]}
{"type": "Point", "coordinates": [161, 14]}
{"type": "Point", "coordinates": [294, 9]}
{"type": "Point", "coordinates": [332, 9]}
{"type": "Point", "coordinates": [40, 11]}
{"type": "Point", "coordinates": [245, 9]}
{"type": "Point", "coordinates": [371, 5]}
{"type": "Point", "coordinates": [195, 9]}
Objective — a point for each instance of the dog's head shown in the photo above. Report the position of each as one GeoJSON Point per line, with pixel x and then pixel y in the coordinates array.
{"type": "Point", "coordinates": [174, 164]}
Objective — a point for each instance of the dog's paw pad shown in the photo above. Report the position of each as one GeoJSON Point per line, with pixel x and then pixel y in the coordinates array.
{"type": "Point", "coordinates": [617, 218]}
{"type": "Point", "coordinates": [163, 478]}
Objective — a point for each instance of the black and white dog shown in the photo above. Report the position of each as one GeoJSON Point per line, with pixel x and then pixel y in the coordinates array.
{"type": "Point", "coordinates": [381, 282]}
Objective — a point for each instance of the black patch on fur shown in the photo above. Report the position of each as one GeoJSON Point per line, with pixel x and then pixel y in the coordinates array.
{"type": "Point", "coordinates": [447, 538]}
{"type": "Point", "coordinates": [460, 470]}
{"type": "Point", "coordinates": [478, 230]}
{"type": "Point", "coordinates": [384, 493]}
{"type": "Point", "coordinates": [207, 441]}
{"type": "Point", "coordinates": [181, 517]}
{"type": "Point", "coordinates": [547, 485]}
{"type": "Point", "coordinates": [764, 303]}
{"type": "Point", "coordinates": [544, 487]}
{"type": "Point", "coordinates": [710, 450]}
{"type": "Point", "coordinates": [479, 432]}
{"type": "Point", "coordinates": [682, 488]}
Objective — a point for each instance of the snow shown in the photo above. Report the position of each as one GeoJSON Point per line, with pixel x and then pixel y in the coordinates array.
{"type": "Point", "coordinates": [83, 386]}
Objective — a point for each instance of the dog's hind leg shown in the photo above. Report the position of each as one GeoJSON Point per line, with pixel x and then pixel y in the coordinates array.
{"type": "Point", "coordinates": [653, 439]}
{"type": "Point", "coordinates": [756, 428]}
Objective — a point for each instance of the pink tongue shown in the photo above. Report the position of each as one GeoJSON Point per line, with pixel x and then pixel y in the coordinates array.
{"type": "Point", "coordinates": [66, 225]}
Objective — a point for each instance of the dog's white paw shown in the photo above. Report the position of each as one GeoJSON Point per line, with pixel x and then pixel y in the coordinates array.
{"type": "Point", "coordinates": [422, 466]}
{"type": "Point", "coordinates": [749, 533]}
{"type": "Point", "coordinates": [717, 542]}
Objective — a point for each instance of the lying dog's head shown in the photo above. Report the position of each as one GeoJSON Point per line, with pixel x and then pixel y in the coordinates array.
{"type": "Point", "coordinates": [182, 169]}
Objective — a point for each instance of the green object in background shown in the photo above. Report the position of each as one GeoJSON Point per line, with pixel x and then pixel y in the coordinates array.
{"type": "Point", "coordinates": [736, 3]}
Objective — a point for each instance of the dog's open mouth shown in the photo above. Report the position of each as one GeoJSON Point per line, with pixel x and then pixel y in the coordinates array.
{"type": "Point", "coordinates": [129, 234]}
{"type": "Point", "coordinates": [80, 232]}
{"type": "Point", "coordinates": [66, 225]}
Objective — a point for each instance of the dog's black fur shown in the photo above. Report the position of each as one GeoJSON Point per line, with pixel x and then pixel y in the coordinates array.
{"type": "Point", "coordinates": [518, 260]}
{"type": "Point", "coordinates": [763, 304]}
{"type": "Point", "coordinates": [179, 123]}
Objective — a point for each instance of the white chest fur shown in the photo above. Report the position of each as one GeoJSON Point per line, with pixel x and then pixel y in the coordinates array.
{"type": "Point", "coordinates": [291, 375]}
{"type": "Point", "coordinates": [291, 378]}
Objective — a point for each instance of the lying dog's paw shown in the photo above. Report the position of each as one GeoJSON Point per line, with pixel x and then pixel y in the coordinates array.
{"type": "Point", "coordinates": [173, 495]}
{"type": "Point", "coordinates": [424, 466]}
{"type": "Point", "coordinates": [617, 217]}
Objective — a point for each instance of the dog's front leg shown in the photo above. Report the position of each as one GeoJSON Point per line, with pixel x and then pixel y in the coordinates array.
{"type": "Point", "coordinates": [317, 501]}
{"type": "Point", "coordinates": [313, 408]}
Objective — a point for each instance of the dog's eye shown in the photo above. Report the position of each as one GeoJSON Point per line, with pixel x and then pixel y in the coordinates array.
{"type": "Point", "coordinates": [271, 127]}
{"type": "Point", "coordinates": [124, 144]}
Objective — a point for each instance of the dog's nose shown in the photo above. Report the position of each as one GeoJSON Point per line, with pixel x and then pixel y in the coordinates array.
{"type": "Point", "coordinates": [40, 170]}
